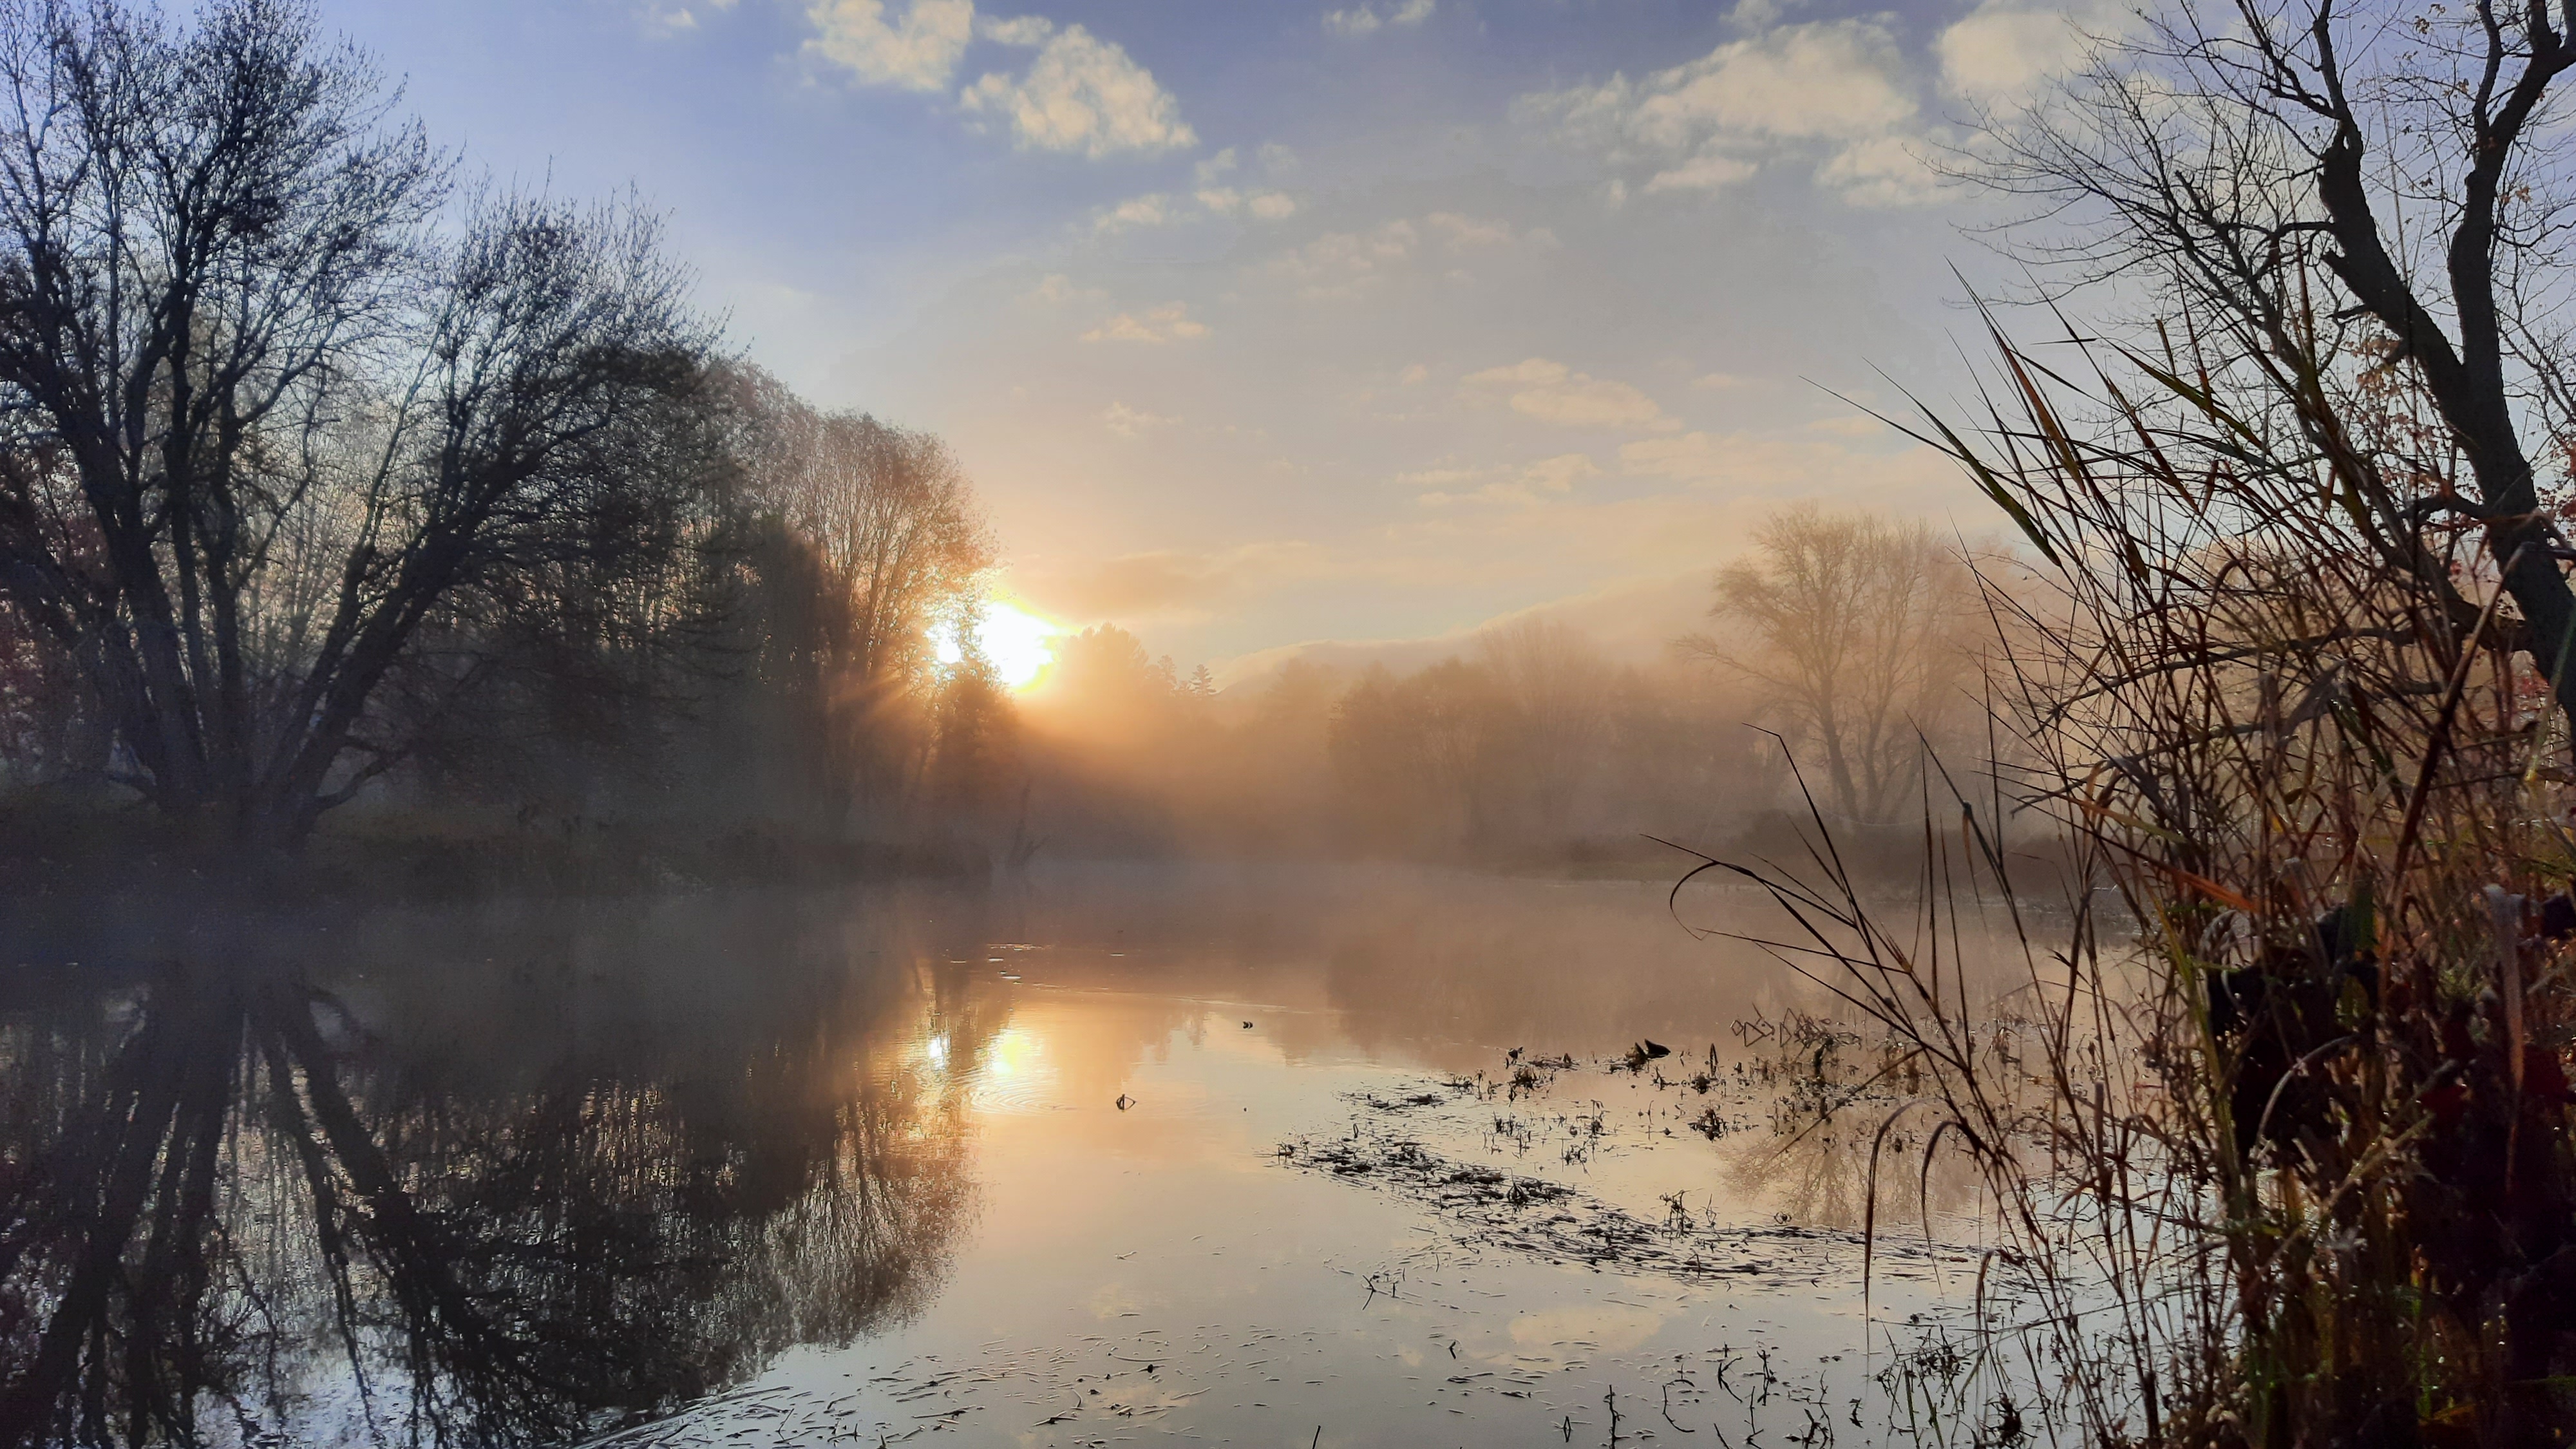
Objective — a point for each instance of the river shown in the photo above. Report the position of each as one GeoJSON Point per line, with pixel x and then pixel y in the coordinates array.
{"type": "Point", "coordinates": [1241, 1155]}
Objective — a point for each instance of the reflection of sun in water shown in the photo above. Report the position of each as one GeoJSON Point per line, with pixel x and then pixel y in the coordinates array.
{"type": "Point", "coordinates": [1020, 645]}
{"type": "Point", "coordinates": [1013, 1051]}
{"type": "Point", "coordinates": [1017, 1075]}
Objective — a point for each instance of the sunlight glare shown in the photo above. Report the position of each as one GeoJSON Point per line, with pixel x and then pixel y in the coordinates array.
{"type": "Point", "coordinates": [1019, 644]}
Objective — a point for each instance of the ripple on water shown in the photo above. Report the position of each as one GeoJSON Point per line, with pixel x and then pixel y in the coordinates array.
{"type": "Point", "coordinates": [1015, 1076]}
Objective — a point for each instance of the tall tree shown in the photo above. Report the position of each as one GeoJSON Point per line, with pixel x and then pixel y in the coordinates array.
{"type": "Point", "coordinates": [1855, 625]}
{"type": "Point", "coordinates": [269, 402]}
{"type": "Point", "coordinates": [893, 524]}
{"type": "Point", "coordinates": [1556, 693]}
{"type": "Point", "coordinates": [2325, 204]}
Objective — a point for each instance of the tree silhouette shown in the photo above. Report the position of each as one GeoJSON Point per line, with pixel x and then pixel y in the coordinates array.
{"type": "Point", "coordinates": [271, 406]}
{"type": "Point", "coordinates": [222, 1184]}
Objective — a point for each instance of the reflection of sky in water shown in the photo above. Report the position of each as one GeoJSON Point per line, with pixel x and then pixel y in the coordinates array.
{"type": "Point", "coordinates": [895, 1147]}
{"type": "Point", "coordinates": [1275, 1305]}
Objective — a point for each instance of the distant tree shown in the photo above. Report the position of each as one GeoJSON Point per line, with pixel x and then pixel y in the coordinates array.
{"type": "Point", "coordinates": [1300, 696]}
{"type": "Point", "coordinates": [1104, 673]}
{"type": "Point", "coordinates": [1676, 762]}
{"type": "Point", "coordinates": [1419, 757]}
{"type": "Point", "coordinates": [49, 731]}
{"type": "Point", "coordinates": [1856, 628]}
{"type": "Point", "coordinates": [269, 410]}
{"type": "Point", "coordinates": [1556, 690]}
{"type": "Point", "coordinates": [892, 520]}
{"type": "Point", "coordinates": [974, 754]}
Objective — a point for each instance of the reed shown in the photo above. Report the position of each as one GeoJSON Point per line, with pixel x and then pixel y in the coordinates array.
{"type": "Point", "coordinates": [2271, 1111]}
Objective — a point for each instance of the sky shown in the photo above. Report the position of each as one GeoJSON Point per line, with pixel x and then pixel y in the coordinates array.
{"type": "Point", "coordinates": [1266, 322]}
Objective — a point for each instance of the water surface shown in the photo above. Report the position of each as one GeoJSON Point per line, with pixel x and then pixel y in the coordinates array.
{"type": "Point", "coordinates": [1246, 1156]}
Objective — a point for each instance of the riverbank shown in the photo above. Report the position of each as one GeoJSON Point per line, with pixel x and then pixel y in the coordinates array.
{"type": "Point", "coordinates": [82, 850]}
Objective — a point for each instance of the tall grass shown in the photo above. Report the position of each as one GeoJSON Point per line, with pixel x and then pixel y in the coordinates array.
{"type": "Point", "coordinates": [2286, 1159]}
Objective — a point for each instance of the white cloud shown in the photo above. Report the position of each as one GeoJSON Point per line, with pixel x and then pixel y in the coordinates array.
{"type": "Point", "coordinates": [1080, 94]}
{"type": "Point", "coordinates": [1344, 264]}
{"type": "Point", "coordinates": [1261, 205]}
{"type": "Point", "coordinates": [1018, 30]}
{"type": "Point", "coordinates": [1460, 233]}
{"type": "Point", "coordinates": [1170, 322]}
{"type": "Point", "coordinates": [1368, 19]}
{"type": "Point", "coordinates": [1137, 211]}
{"type": "Point", "coordinates": [2002, 49]}
{"type": "Point", "coordinates": [1163, 208]}
{"type": "Point", "coordinates": [1532, 484]}
{"type": "Point", "coordinates": [919, 53]}
{"type": "Point", "coordinates": [662, 20]}
{"type": "Point", "coordinates": [1174, 585]}
{"type": "Point", "coordinates": [1689, 458]}
{"type": "Point", "coordinates": [1835, 89]}
{"type": "Point", "coordinates": [1056, 289]}
{"type": "Point", "coordinates": [1562, 473]}
{"type": "Point", "coordinates": [1707, 171]}
{"type": "Point", "coordinates": [1857, 463]}
{"type": "Point", "coordinates": [1556, 394]}
{"type": "Point", "coordinates": [1834, 79]}
{"type": "Point", "coordinates": [1129, 422]}
{"type": "Point", "coordinates": [1883, 171]}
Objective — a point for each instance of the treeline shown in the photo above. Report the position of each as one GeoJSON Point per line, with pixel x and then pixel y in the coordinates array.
{"type": "Point", "coordinates": [1844, 650]}
{"type": "Point", "coordinates": [329, 473]}
{"type": "Point", "coordinates": [766, 664]}
{"type": "Point", "coordinates": [336, 484]}
{"type": "Point", "coordinates": [1528, 746]}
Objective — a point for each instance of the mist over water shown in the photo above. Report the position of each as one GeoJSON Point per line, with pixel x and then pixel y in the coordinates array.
{"type": "Point", "coordinates": [786, 1165]}
{"type": "Point", "coordinates": [1068, 721]}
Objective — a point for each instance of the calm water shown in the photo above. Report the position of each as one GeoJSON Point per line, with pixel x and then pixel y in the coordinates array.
{"type": "Point", "coordinates": [1224, 1156]}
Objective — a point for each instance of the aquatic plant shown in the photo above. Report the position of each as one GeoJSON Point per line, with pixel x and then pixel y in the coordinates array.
{"type": "Point", "coordinates": [2272, 1111]}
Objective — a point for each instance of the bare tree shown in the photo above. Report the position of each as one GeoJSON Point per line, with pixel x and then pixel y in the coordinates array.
{"type": "Point", "coordinates": [1558, 694]}
{"type": "Point", "coordinates": [1417, 756]}
{"type": "Point", "coordinates": [2349, 220]}
{"type": "Point", "coordinates": [268, 404]}
{"type": "Point", "coordinates": [1856, 626]}
{"type": "Point", "coordinates": [903, 547]}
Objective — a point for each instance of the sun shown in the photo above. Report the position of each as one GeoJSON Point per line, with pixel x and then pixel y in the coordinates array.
{"type": "Point", "coordinates": [1018, 644]}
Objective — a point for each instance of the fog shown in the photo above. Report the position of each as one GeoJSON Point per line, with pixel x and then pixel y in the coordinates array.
{"type": "Point", "coordinates": [794, 667]}
{"type": "Point", "coordinates": [553, 893]}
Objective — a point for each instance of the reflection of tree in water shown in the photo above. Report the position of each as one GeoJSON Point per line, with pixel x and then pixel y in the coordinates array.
{"type": "Point", "coordinates": [230, 1210]}
{"type": "Point", "coordinates": [1820, 1178]}
{"type": "Point", "coordinates": [1814, 1164]}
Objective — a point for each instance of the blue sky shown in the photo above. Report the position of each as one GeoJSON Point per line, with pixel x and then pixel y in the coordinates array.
{"type": "Point", "coordinates": [1265, 321]}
